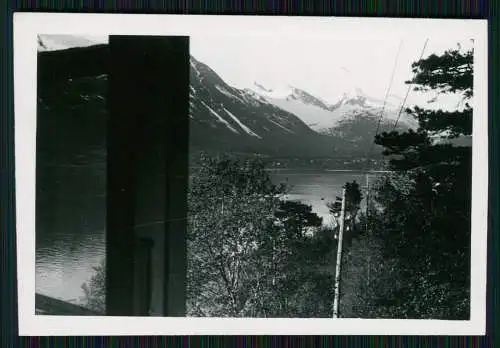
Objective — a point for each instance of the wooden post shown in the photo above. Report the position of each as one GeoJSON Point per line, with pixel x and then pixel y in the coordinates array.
{"type": "Point", "coordinates": [367, 199]}
{"type": "Point", "coordinates": [339, 259]}
{"type": "Point", "coordinates": [366, 218]}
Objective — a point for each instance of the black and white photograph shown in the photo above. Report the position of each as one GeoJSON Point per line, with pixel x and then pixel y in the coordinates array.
{"type": "Point", "coordinates": [274, 170]}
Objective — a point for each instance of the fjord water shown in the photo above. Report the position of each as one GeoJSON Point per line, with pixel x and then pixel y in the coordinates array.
{"type": "Point", "coordinates": [70, 236]}
{"type": "Point", "coordinates": [318, 187]}
{"type": "Point", "coordinates": [71, 211]}
{"type": "Point", "coordinates": [71, 201]}
{"type": "Point", "coordinates": [70, 198]}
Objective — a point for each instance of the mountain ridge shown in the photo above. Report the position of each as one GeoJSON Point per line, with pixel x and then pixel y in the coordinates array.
{"type": "Point", "coordinates": [228, 119]}
{"type": "Point", "coordinates": [322, 117]}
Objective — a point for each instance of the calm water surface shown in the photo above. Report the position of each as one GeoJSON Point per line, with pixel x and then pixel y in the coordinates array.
{"type": "Point", "coordinates": [70, 237]}
{"type": "Point", "coordinates": [71, 218]}
{"type": "Point", "coordinates": [70, 200]}
{"type": "Point", "coordinates": [318, 187]}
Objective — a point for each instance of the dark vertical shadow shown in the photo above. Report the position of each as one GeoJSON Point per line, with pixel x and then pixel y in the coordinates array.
{"type": "Point", "coordinates": [124, 100]}
{"type": "Point", "coordinates": [147, 135]}
{"type": "Point", "coordinates": [177, 153]}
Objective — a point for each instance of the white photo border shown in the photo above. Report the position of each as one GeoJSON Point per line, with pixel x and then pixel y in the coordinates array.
{"type": "Point", "coordinates": [26, 28]}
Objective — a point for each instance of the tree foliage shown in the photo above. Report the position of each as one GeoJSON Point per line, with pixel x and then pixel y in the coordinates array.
{"type": "Point", "coordinates": [353, 200]}
{"type": "Point", "coordinates": [230, 207]}
{"type": "Point", "coordinates": [95, 289]}
{"type": "Point", "coordinates": [447, 73]}
{"type": "Point", "coordinates": [367, 277]}
{"type": "Point", "coordinates": [250, 253]}
{"type": "Point", "coordinates": [425, 215]}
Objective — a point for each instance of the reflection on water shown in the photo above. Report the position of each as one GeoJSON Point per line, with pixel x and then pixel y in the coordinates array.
{"type": "Point", "coordinates": [70, 198]}
{"type": "Point", "coordinates": [70, 237]}
{"type": "Point", "coordinates": [62, 267]}
{"type": "Point", "coordinates": [70, 184]}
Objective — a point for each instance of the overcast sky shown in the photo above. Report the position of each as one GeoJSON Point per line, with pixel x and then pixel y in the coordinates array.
{"type": "Point", "coordinates": [326, 57]}
{"type": "Point", "coordinates": [324, 67]}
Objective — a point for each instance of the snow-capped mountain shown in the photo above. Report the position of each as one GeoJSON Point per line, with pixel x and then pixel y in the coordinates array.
{"type": "Point", "coordinates": [358, 98]}
{"type": "Point", "coordinates": [313, 111]}
{"type": "Point", "coordinates": [222, 118]}
{"type": "Point", "coordinates": [289, 93]}
{"type": "Point", "coordinates": [287, 121]}
{"type": "Point", "coordinates": [322, 116]}
{"type": "Point", "coordinates": [236, 119]}
{"type": "Point", "coordinates": [356, 102]}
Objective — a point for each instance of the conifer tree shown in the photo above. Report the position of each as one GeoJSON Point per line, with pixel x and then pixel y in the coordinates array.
{"type": "Point", "coordinates": [427, 204]}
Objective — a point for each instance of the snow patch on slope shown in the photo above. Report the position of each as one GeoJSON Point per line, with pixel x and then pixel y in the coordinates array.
{"type": "Point", "coordinates": [249, 98]}
{"type": "Point", "coordinates": [256, 97]}
{"type": "Point", "coordinates": [314, 117]}
{"type": "Point", "coordinates": [220, 118]}
{"type": "Point", "coordinates": [228, 94]}
{"type": "Point", "coordinates": [193, 65]}
{"type": "Point", "coordinates": [281, 92]}
{"type": "Point", "coordinates": [283, 127]}
{"type": "Point", "coordinates": [245, 128]}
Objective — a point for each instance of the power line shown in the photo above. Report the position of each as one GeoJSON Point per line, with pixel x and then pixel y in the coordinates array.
{"type": "Point", "coordinates": [389, 87]}
{"type": "Point", "coordinates": [342, 217]}
{"type": "Point", "coordinates": [408, 91]}
{"type": "Point", "coordinates": [368, 155]}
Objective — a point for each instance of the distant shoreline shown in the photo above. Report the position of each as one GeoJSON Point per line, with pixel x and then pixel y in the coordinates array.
{"type": "Point", "coordinates": [319, 170]}
{"type": "Point", "coordinates": [328, 170]}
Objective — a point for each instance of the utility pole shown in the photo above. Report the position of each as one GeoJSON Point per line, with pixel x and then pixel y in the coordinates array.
{"type": "Point", "coordinates": [339, 259]}
{"type": "Point", "coordinates": [366, 218]}
{"type": "Point", "coordinates": [367, 200]}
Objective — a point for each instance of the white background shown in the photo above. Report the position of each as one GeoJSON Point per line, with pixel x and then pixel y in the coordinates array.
{"type": "Point", "coordinates": [28, 25]}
